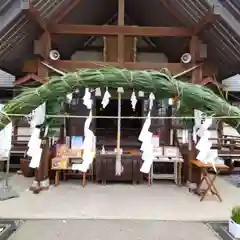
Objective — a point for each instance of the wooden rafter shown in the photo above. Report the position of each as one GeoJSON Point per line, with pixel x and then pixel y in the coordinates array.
{"type": "Point", "coordinates": [171, 9]}
{"type": "Point", "coordinates": [28, 77]}
{"type": "Point", "coordinates": [35, 15]}
{"type": "Point", "coordinates": [105, 30]}
{"type": "Point", "coordinates": [66, 11]}
{"type": "Point", "coordinates": [207, 21]}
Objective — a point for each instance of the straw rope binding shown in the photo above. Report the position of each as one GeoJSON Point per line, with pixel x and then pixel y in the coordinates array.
{"type": "Point", "coordinates": [162, 84]}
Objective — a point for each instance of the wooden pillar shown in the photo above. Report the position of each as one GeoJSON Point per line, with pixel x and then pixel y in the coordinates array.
{"type": "Point", "coordinates": [121, 13]}
{"type": "Point", "coordinates": [220, 134]}
{"type": "Point", "coordinates": [42, 48]}
{"type": "Point", "coordinates": [195, 49]}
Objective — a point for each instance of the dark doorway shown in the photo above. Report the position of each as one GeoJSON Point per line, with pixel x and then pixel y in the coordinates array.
{"type": "Point", "coordinates": [108, 126]}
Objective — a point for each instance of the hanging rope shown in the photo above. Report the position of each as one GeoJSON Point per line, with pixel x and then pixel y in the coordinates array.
{"type": "Point", "coordinates": [123, 117]}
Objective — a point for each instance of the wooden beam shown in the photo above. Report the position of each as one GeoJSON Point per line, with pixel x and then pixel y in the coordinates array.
{"type": "Point", "coordinates": [71, 66]}
{"type": "Point", "coordinates": [34, 15]}
{"type": "Point", "coordinates": [66, 11]}
{"type": "Point", "coordinates": [207, 21]}
{"type": "Point", "coordinates": [110, 30]}
{"type": "Point", "coordinates": [42, 47]}
{"type": "Point", "coordinates": [92, 48]}
{"type": "Point", "coordinates": [28, 77]}
{"type": "Point", "coordinates": [211, 80]}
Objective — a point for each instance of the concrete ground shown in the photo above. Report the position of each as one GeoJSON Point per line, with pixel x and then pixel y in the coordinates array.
{"type": "Point", "coordinates": [112, 230]}
{"type": "Point", "coordinates": [161, 201]}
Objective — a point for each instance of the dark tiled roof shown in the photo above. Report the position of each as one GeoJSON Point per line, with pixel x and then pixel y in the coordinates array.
{"type": "Point", "coordinates": [17, 32]}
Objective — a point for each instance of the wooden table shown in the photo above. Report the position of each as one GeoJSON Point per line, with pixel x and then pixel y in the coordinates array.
{"type": "Point", "coordinates": [68, 169]}
{"type": "Point", "coordinates": [207, 178]}
{"type": "Point", "coordinates": [58, 171]}
{"type": "Point", "coordinates": [177, 170]}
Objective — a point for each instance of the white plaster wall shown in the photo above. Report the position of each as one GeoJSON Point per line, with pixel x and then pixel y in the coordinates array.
{"type": "Point", "coordinates": [228, 130]}
{"type": "Point", "coordinates": [87, 56]}
{"type": "Point", "coordinates": [98, 56]}
{"type": "Point", "coordinates": [232, 83]}
{"type": "Point", "coordinates": [25, 133]}
{"type": "Point", "coordinates": [151, 57]}
{"type": "Point", "coordinates": [6, 79]}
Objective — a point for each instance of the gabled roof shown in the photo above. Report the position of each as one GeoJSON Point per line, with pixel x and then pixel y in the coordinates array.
{"type": "Point", "coordinates": [17, 32]}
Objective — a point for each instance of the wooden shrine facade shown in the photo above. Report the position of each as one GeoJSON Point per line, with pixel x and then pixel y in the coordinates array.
{"type": "Point", "coordinates": [119, 47]}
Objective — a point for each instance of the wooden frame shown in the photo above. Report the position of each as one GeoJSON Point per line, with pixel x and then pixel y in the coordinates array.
{"type": "Point", "coordinates": [111, 30]}
{"type": "Point", "coordinates": [34, 15]}
{"type": "Point", "coordinates": [31, 66]}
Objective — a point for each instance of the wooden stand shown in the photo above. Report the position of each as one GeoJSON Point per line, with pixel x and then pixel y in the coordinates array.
{"type": "Point", "coordinates": [176, 176]}
{"type": "Point", "coordinates": [208, 179]}
{"type": "Point", "coordinates": [57, 177]}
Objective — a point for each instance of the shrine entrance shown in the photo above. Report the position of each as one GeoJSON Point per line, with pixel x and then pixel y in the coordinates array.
{"type": "Point", "coordinates": [131, 122]}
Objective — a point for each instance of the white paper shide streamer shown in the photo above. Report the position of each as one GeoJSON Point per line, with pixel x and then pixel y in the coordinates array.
{"type": "Point", "coordinates": [69, 97]}
{"type": "Point", "coordinates": [37, 117]}
{"type": "Point", "coordinates": [87, 101]}
{"type": "Point", "coordinates": [5, 140]}
{"type": "Point", "coordinates": [34, 148]}
{"type": "Point", "coordinates": [106, 98]}
{"type": "Point", "coordinates": [89, 143]}
{"type": "Point", "coordinates": [204, 145]}
{"type": "Point", "coordinates": [133, 100]}
{"type": "Point", "coordinates": [198, 117]}
{"type": "Point", "coordinates": [98, 92]}
{"type": "Point", "coordinates": [151, 99]}
{"type": "Point", "coordinates": [146, 138]}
